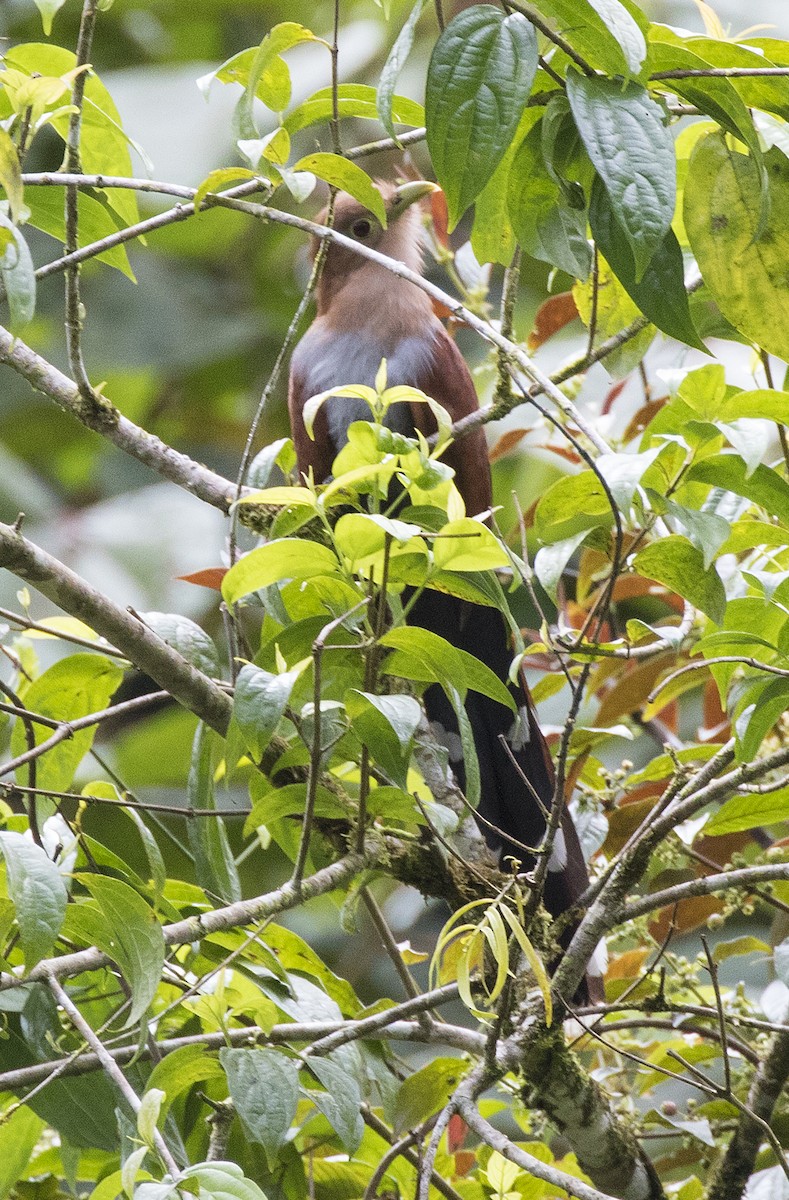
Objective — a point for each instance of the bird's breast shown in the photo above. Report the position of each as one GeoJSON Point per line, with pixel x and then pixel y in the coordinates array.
{"type": "Point", "coordinates": [325, 359]}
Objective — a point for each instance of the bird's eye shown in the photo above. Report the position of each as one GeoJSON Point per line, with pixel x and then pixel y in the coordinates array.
{"type": "Point", "coordinates": [361, 229]}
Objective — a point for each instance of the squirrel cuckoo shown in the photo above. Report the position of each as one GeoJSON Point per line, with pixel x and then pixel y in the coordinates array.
{"type": "Point", "coordinates": [365, 314]}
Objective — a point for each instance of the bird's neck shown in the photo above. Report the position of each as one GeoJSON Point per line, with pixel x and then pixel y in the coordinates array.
{"type": "Point", "coordinates": [373, 301]}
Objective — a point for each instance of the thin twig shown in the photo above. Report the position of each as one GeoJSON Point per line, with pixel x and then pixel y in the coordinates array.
{"type": "Point", "coordinates": [110, 1067]}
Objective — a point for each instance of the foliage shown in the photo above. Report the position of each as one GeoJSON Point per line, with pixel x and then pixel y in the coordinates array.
{"type": "Point", "coordinates": [165, 1029]}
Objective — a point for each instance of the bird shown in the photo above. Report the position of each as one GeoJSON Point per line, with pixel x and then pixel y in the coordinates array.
{"type": "Point", "coordinates": [365, 314]}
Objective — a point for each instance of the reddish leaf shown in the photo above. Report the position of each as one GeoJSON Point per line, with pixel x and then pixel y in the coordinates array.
{"type": "Point", "coordinates": [507, 442]}
{"type": "Point", "coordinates": [552, 315]}
{"type": "Point", "coordinates": [625, 820]}
{"type": "Point", "coordinates": [563, 451]}
{"type": "Point", "coordinates": [627, 965]}
{"type": "Point", "coordinates": [641, 418]}
{"type": "Point", "coordinates": [211, 577]}
{"type": "Point", "coordinates": [686, 915]}
{"type": "Point", "coordinates": [456, 1133]}
{"type": "Point", "coordinates": [613, 393]}
{"type": "Point", "coordinates": [464, 1161]}
{"type": "Point", "coordinates": [440, 215]}
{"type": "Point", "coordinates": [629, 693]}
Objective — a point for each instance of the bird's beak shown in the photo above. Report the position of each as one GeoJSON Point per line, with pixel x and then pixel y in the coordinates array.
{"type": "Point", "coordinates": [409, 193]}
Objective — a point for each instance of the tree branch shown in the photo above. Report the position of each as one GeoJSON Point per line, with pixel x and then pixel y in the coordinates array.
{"type": "Point", "coordinates": [140, 645]}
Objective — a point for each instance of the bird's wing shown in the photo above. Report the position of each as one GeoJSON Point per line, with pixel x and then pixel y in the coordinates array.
{"type": "Point", "coordinates": [316, 452]}
{"type": "Point", "coordinates": [448, 381]}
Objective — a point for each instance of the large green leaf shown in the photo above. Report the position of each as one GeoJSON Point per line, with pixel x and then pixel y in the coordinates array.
{"type": "Point", "coordinates": [353, 100]}
{"type": "Point", "coordinates": [386, 724]}
{"type": "Point", "coordinates": [264, 1086]}
{"type": "Point", "coordinates": [130, 934]}
{"type": "Point", "coordinates": [678, 564]}
{"type": "Point", "coordinates": [38, 894]}
{"type": "Point", "coordinates": [18, 1137]}
{"type": "Point", "coordinates": [764, 486]}
{"type": "Point", "coordinates": [73, 687]}
{"type": "Point", "coordinates": [342, 173]}
{"type": "Point", "coordinates": [96, 219]}
{"type": "Point", "coordinates": [288, 558]}
{"type": "Point", "coordinates": [103, 146]}
{"type": "Point", "coordinates": [480, 75]}
{"type": "Point", "coordinates": [627, 138]}
{"type": "Point", "coordinates": [749, 812]}
{"type": "Point", "coordinates": [340, 1102]}
{"type": "Point", "coordinates": [546, 226]}
{"type": "Point", "coordinates": [742, 259]}
{"type": "Point", "coordinates": [185, 636]}
{"type": "Point", "coordinates": [660, 292]}
{"type": "Point", "coordinates": [608, 34]}
{"type": "Point", "coordinates": [259, 702]}
{"type": "Point", "coordinates": [214, 864]}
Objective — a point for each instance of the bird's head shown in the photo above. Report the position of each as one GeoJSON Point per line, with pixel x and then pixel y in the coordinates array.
{"type": "Point", "coordinates": [401, 239]}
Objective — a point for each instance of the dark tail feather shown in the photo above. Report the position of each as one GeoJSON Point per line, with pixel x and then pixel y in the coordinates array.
{"type": "Point", "coordinates": [508, 806]}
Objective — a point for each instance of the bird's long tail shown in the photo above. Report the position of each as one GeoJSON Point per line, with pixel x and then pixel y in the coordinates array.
{"type": "Point", "coordinates": [517, 779]}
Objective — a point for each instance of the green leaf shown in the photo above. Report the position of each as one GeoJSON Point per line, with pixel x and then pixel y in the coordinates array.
{"type": "Point", "coordinates": [607, 34]}
{"type": "Point", "coordinates": [288, 558]}
{"type": "Point", "coordinates": [259, 702]}
{"type": "Point", "coordinates": [353, 100]}
{"type": "Point", "coordinates": [73, 687]}
{"type": "Point", "coordinates": [96, 219]}
{"type": "Point", "coordinates": [289, 801]}
{"type": "Point", "coordinates": [152, 851]}
{"type": "Point", "coordinates": [762, 404]}
{"type": "Point", "coordinates": [340, 1103]}
{"type": "Point", "coordinates": [264, 1086]}
{"type": "Point", "coordinates": [215, 1180]}
{"type": "Point", "coordinates": [268, 76]}
{"type": "Point", "coordinates": [660, 292]}
{"type": "Point", "coordinates": [546, 226]}
{"type": "Point", "coordinates": [425, 1092]}
{"type": "Point", "coordinates": [346, 175]}
{"type": "Point", "coordinates": [386, 724]}
{"type": "Point", "coordinates": [468, 545]}
{"type": "Point", "coordinates": [185, 636]}
{"type": "Point", "coordinates": [677, 564]}
{"type": "Point", "coordinates": [741, 257]}
{"type": "Point", "coordinates": [764, 486]}
{"type": "Point", "coordinates": [573, 503]}
{"type": "Point", "coordinates": [705, 530]}
{"type": "Point", "coordinates": [714, 95]}
{"type": "Point", "coordinates": [18, 1137]}
{"type": "Point", "coordinates": [426, 657]}
{"type": "Point", "coordinates": [38, 894]}
{"type": "Point", "coordinates": [48, 8]}
{"type": "Point", "coordinates": [614, 311]}
{"type": "Point", "coordinates": [104, 147]}
{"type": "Point", "coordinates": [550, 561]}
{"type": "Point", "coordinates": [11, 178]}
{"type": "Point", "coordinates": [628, 141]}
{"type": "Point", "coordinates": [479, 79]}
{"type": "Point", "coordinates": [214, 865]}
{"type": "Point", "coordinates": [393, 66]}
{"type": "Point", "coordinates": [182, 1069]}
{"type": "Point", "coordinates": [758, 710]}
{"type": "Point", "coordinates": [749, 812]}
{"type": "Point", "coordinates": [216, 180]}
{"type": "Point", "coordinates": [132, 937]}
{"type": "Point", "coordinates": [18, 275]}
